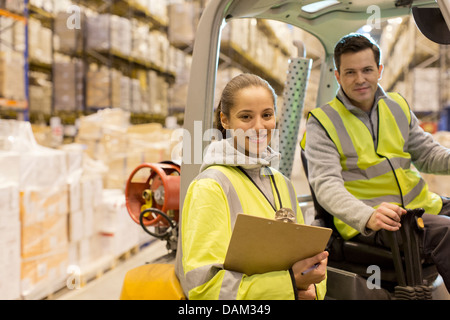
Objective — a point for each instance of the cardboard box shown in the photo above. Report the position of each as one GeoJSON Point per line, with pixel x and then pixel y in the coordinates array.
{"type": "Point", "coordinates": [44, 275]}
{"type": "Point", "coordinates": [10, 280]}
{"type": "Point", "coordinates": [183, 21]}
{"type": "Point", "coordinates": [12, 75]}
{"type": "Point", "coordinates": [76, 226]}
{"type": "Point", "coordinates": [35, 162]}
{"type": "Point", "coordinates": [89, 250]}
{"type": "Point", "coordinates": [69, 37]}
{"type": "Point", "coordinates": [10, 260]}
{"type": "Point", "coordinates": [68, 85]}
{"type": "Point", "coordinates": [40, 204]}
{"type": "Point", "coordinates": [9, 204]}
{"type": "Point", "coordinates": [41, 98]}
{"type": "Point", "coordinates": [88, 222]}
{"type": "Point", "coordinates": [43, 237]}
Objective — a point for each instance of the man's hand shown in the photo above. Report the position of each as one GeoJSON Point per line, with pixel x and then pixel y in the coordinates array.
{"type": "Point", "coordinates": [386, 216]}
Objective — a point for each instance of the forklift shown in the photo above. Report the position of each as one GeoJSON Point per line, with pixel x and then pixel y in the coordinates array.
{"type": "Point", "coordinates": [155, 192]}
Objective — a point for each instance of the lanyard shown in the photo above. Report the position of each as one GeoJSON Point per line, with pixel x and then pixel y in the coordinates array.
{"type": "Point", "coordinates": [274, 184]}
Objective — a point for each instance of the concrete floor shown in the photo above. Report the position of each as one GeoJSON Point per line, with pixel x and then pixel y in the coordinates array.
{"type": "Point", "coordinates": [109, 285]}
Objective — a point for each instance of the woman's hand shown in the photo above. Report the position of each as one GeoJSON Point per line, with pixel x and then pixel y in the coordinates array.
{"type": "Point", "coordinates": [316, 275]}
{"type": "Point", "coordinates": [308, 294]}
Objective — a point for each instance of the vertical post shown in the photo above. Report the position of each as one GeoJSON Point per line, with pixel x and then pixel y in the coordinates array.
{"type": "Point", "coordinates": [294, 98]}
{"type": "Point", "coordinates": [328, 84]}
{"type": "Point", "coordinates": [26, 113]}
{"type": "Point", "coordinates": [200, 100]}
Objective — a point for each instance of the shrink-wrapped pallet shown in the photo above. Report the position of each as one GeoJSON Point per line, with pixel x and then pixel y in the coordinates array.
{"type": "Point", "coordinates": [40, 175]}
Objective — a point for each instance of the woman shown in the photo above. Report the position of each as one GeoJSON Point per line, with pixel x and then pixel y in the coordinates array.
{"type": "Point", "coordinates": [236, 177]}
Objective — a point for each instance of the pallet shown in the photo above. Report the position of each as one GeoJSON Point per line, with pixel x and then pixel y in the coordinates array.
{"type": "Point", "coordinates": [98, 268]}
{"type": "Point", "coordinates": [87, 274]}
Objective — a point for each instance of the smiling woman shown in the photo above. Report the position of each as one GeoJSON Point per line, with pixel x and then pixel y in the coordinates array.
{"type": "Point", "coordinates": [237, 177]}
{"type": "Point", "coordinates": [246, 112]}
{"type": "Point", "coordinates": [252, 119]}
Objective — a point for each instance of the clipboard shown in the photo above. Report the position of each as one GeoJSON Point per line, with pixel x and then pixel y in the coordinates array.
{"type": "Point", "coordinates": [260, 245]}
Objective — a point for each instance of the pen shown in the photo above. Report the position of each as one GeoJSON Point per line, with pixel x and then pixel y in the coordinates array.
{"type": "Point", "coordinates": [311, 268]}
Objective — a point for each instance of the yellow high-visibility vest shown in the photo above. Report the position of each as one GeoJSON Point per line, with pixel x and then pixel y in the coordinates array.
{"type": "Point", "coordinates": [212, 203]}
{"type": "Point", "coordinates": [381, 174]}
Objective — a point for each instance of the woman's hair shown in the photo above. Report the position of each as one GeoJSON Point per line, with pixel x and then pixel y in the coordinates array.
{"type": "Point", "coordinates": [236, 84]}
{"type": "Point", "coordinates": [355, 42]}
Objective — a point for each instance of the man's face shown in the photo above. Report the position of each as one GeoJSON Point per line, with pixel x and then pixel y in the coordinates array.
{"type": "Point", "coordinates": [358, 76]}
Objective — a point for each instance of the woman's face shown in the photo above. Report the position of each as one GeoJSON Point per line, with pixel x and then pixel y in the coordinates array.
{"type": "Point", "coordinates": [252, 119]}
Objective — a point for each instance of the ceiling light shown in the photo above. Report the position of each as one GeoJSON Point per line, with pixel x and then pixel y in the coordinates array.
{"type": "Point", "coordinates": [317, 6]}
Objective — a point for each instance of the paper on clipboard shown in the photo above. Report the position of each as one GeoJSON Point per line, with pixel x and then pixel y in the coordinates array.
{"type": "Point", "coordinates": [260, 245]}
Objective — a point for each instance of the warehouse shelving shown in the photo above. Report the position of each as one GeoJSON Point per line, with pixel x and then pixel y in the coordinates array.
{"type": "Point", "coordinates": [10, 106]}
{"type": "Point", "coordinates": [410, 58]}
{"type": "Point", "coordinates": [232, 54]}
{"type": "Point", "coordinates": [118, 147]}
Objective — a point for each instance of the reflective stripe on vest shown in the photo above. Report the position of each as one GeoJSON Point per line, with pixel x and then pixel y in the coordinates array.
{"type": "Point", "coordinates": [369, 171]}
{"type": "Point", "coordinates": [251, 200]}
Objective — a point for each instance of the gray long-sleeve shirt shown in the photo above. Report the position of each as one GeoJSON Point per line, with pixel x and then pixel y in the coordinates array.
{"type": "Point", "coordinates": [324, 168]}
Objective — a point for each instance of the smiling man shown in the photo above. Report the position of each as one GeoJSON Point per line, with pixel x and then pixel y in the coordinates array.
{"type": "Point", "coordinates": [360, 148]}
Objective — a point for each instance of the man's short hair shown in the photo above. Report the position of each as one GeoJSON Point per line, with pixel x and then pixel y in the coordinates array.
{"type": "Point", "coordinates": [355, 42]}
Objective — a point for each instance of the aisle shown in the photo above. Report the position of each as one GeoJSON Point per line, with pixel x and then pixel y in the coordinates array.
{"type": "Point", "coordinates": [109, 285]}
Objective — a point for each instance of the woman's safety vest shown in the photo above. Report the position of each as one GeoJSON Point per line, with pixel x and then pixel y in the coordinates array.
{"type": "Point", "coordinates": [252, 201]}
{"type": "Point", "coordinates": [230, 192]}
{"type": "Point", "coordinates": [381, 174]}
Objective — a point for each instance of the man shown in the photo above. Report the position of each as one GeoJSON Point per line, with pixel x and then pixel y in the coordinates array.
{"type": "Point", "coordinates": [360, 147]}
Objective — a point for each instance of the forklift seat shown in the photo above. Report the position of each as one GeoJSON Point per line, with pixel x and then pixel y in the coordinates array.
{"type": "Point", "coordinates": [404, 272]}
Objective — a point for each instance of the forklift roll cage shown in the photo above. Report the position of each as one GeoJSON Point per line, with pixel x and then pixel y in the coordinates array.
{"type": "Point", "coordinates": [318, 18]}
{"type": "Point", "coordinates": [320, 21]}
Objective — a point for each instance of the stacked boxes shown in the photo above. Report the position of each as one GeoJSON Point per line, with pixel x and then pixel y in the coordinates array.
{"type": "Point", "coordinates": [439, 184]}
{"type": "Point", "coordinates": [109, 138]}
{"type": "Point", "coordinates": [425, 89]}
{"type": "Point", "coordinates": [83, 227]}
{"type": "Point", "coordinates": [182, 17]}
{"type": "Point", "coordinates": [9, 225]}
{"type": "Point", "coordinates": [68, 37]}
{"type": "Point", "coordinates": [12, 37]}
{"type": "Point", "coordinates": [119, 233]}
{"type": "Point", "coordinates": [12, 83]}
{"type": "Point", "coordinates": [115, 33]}
{"type": "Point", "coordinates": [68, 85]}
{"type": "Point", "coordinates": [40, 93]}
{"type": "Point", "coordinates": [100, 229]}
{"type": "Point", "coordinates": [106, 88]}
{"type": "Point", "coordinates": [44, 214]}
{"type": "Point", "coordinates": [140, 44]}
{"type": "Point", "coordinates": [33, 216]}
{"type": "Point", "coordinates": [55, 213]}
{"type": "Point", "coordinates": [156, 8]}
{"type": "Point", "coordinates": [248, 37]}
{"type": "Point", "coordinates": [40, 42]}
{"type": "Point", "coordinates": [404, 45]}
